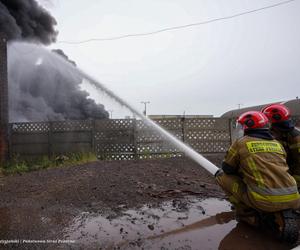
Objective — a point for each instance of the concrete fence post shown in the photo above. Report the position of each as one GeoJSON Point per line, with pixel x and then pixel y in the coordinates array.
{"type": "Point", "coordinates": [182, 121]}
{"type": "Point", "coordinates": [134, 139]}
{"type": "Point", "coordinates": [93, 134]}
{"type": "Point", "coordinates": [50, 140]}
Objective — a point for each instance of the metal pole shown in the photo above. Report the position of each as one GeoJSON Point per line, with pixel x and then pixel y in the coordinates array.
{"type": "Point", "coordinates": [145, 109]}
{"type": "Point", "coordinates": [4, 150]}
{"type": "Point", "coordinates": [110, 111]}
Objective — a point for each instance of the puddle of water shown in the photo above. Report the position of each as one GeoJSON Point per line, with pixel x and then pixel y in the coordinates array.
{"type": "Point", "coordinates": [181, 224]}
{"type": "Point", "coordinates": [138, 225]}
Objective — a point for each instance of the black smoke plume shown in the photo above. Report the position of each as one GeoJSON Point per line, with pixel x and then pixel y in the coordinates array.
{"type": "Point", "coordinates": [43, 89]}
{"type": "Point", "coordinates": [26, 20]}
{"type": "Point", "coordinates": [39, 91]}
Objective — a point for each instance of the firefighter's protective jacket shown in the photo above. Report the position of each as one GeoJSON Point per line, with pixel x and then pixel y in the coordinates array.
{"type": "Point", "coordinates": [261, 163]}
{"type": "Point", "coordinates": [291, 143]}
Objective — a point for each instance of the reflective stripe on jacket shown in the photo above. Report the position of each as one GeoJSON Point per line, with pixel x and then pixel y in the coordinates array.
{"type": "Point", "coordinates": [262, 165]}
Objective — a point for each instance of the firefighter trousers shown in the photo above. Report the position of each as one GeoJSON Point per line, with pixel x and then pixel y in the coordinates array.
{"type": "Point", "coordinates": [236, 190]}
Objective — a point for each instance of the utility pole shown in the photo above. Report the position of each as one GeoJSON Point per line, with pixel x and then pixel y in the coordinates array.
{"type": "Point", "coordinates": [239, 105]}
{"type": "Point", "coordinates": [145, 107]}
{"type": "Point", "coordinates": [110, 112]}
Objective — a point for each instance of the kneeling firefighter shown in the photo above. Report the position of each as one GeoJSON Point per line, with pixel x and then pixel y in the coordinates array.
{"type": "Point", "coordinates": [285, 132]}
{"type": "Point", "coordinates": [255, 177]}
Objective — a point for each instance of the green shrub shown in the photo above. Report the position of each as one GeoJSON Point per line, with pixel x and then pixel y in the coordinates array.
{"type": "Point", "coordinates": [18, 165]}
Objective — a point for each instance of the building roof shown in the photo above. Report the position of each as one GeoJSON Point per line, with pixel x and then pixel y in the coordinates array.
{"type": "Point", "coordinates": [178, 116]}
{"type": "Point", "coordinates": [293, 105]}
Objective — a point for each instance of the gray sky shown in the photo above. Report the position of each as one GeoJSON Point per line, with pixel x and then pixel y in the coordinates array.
{"type": "Point", "coordinates": [209, 69]}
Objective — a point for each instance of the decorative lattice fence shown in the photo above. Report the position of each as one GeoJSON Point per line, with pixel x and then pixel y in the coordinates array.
{"type": "Point", "coordinates": [36, 139]}
{"type": "Point", "coordinates": [122, 139]}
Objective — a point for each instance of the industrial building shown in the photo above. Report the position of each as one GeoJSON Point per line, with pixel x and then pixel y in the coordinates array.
{"type": "Point", "coordinates": [293, 105]}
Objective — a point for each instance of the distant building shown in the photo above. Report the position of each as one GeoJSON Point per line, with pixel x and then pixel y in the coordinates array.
{"type": "Point", "coordinates": [153, 117]}
{"type": "Point", "coordinates": [293, 105]}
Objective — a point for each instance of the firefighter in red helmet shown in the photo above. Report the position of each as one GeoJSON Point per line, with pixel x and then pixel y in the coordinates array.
{"type": "Point", "coordinates": [285, 132]}
{"type": "Point", "coordinates": [254, 173]}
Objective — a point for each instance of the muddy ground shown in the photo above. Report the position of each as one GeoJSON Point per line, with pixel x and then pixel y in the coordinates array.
{"type": "Point", "coordinates": [45, 205]}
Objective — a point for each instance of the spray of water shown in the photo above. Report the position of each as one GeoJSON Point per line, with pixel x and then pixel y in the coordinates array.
{"type": "Point", "coordinates": [70, 69]}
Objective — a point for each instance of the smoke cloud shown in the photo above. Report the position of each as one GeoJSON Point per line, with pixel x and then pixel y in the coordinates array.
{"type": "Point", "coordinates": [38, 89]}
{"type": "Point", "coordinates": [43, 89]}
{"type": "Point", "coordinates": [26, 20]}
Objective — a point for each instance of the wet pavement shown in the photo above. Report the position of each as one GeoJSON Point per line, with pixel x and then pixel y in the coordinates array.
{"type": "Point", "coordinates": [40, 205]}
{"type": "Point", "coordinates": [187, 223]}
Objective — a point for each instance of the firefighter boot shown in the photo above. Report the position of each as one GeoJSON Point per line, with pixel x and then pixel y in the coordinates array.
{"type": "Point", "coordinates": [283, 224]}
{"type": "Point", "coordinates": [247, 215]}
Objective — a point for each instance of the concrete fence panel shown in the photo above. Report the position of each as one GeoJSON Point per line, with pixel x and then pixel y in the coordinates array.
{"type": "Point", "coordinates": [119, 139]}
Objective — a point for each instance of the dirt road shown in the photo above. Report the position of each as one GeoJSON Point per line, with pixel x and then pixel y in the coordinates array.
{"type": "Point", "coordinates": [57, 204]}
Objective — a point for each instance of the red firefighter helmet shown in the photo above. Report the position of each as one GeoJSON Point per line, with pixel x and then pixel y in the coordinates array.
{"type": "Point", "coordinates": [277, 113]}
{"type": "Point", "coordinates": [253, 119]}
